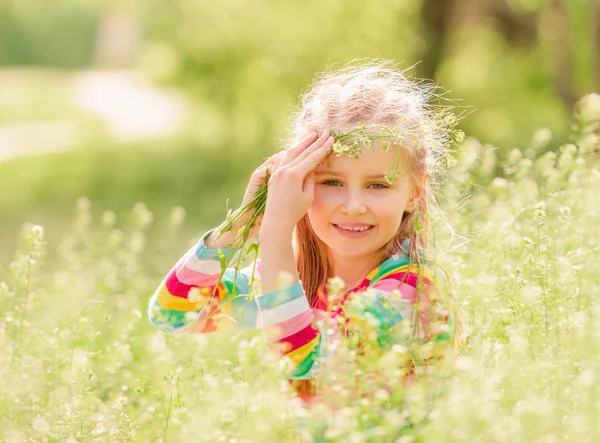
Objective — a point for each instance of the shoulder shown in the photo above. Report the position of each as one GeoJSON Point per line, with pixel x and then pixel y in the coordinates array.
{"type": "Point", "coordinates": [401, 264]}
{"type": "Point", "coordinates": [425, 275]}
{"type": "Point", "coordinates": [425, 285]}
{"type": "Point", "coordinates": [389, 268]}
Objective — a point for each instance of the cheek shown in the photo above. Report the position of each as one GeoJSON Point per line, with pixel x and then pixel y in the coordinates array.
{"type": "Point", "coordinates": [320, 213]}
{"type": "Point", "coordinates": [323, 194]}
{"type": "Point", "coordinates": [388, 212]}
{"type": "Point", "coordinates": [318, 221]}
{"type": "Point", "coordinates": [322, 202]}
{"type": "Point", "coordinates": [316, 213]}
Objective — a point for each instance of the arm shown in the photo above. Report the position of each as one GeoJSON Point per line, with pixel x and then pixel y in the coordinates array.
{"type": "Point", "coordinates": [284, 312]}
{"type": "Point", "coordinates": [286, 315]}
{"type": "Point", "coordinates": [189, 299]}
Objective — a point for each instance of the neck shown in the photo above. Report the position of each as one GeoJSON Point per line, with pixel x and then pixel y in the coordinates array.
{"type": "Point", "coordinates": [353, 270]}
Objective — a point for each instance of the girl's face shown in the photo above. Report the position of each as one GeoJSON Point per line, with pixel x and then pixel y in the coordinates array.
{"type": "Point", "coordinates": [353, 194]}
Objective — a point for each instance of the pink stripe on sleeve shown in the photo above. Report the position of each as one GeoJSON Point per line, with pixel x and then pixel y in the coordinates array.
{"type": "Point", "coordinates": [299, 339]}
{"type": "Point", "coordinates": [388, 284]}
{"type": "Point", "coordinates": [289, 327]}
{"type": "Point", "coordinates": [197, 278]}
{"type": "Point", "coordinates": [175, 287]}
{"type": "Point", "coordinates": [408, 292]}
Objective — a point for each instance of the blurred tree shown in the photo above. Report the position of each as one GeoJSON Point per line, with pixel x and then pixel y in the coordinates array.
{"type": "Point", "coordinates": [517, 25]}
{"type": "Point", "coordinates": [562, 48]}
{"type": "Point", "coordinates": [436, 19]}
{"type": "Point", "coordinates": [516, 22]}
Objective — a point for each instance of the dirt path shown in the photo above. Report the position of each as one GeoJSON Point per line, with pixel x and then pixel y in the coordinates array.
{"type": "Point", "coordinates": [128, 105]}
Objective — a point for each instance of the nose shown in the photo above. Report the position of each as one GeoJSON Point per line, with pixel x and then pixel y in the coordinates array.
{"type": "Point", "coordinates": [353, 203]}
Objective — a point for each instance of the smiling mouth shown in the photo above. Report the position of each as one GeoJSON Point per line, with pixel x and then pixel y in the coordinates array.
{"type": "Point", "coordinates": [362, 228]}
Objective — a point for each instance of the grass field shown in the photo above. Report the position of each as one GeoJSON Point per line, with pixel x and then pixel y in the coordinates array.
{"type": "Point", "coordinates": [81, 362]}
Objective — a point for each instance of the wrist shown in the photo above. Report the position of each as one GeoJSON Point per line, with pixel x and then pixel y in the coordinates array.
{"type": "Point", "coordinates": [275, 229]}
{"type": "Point", "coordinates": [219, 241]}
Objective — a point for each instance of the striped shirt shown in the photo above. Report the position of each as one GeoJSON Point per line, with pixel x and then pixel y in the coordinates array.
{"type": "Point", "coordinates": [194, 299]}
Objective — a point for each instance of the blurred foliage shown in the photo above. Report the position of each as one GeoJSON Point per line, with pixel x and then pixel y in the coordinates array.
{"type": "Point", "coordinates": [519, 64]}
{"type": "Point", "coordinates": [500, 58]}
{"type": "Point", "coordinates": [178, 172]}
{"type": "Point", "coordinates": [61, 34]}
{"type": "Point", "coordinates": [251, 60]}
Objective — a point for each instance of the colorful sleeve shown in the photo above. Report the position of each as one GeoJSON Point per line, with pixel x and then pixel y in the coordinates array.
{"type": "Point", "coordinates": [290, 328]}
{"type": "Point", "coordinates": [417, 298]}
{"type": "Point", "coordinates": [189, 300]}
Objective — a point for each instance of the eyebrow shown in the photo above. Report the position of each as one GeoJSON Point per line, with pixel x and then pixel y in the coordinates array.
{"type": "Point", "coordinates": [337, 174]}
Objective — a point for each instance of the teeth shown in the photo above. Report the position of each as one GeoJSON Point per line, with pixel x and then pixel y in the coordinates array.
{"type": "Point", "coordinates": [348, 228]}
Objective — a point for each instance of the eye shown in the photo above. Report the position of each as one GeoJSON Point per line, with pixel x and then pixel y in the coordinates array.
{"type": "Point", "coordinates": [379, 186]}
{"type": "Point", "coordinates": [372, 185]}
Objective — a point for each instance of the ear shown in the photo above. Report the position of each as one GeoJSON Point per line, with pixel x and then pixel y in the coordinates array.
{"type": "Point", "coordinates": [416, 194]}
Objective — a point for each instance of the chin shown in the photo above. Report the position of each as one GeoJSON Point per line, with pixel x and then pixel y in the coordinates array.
{"type": "Point", "coordinates": [356, 251]}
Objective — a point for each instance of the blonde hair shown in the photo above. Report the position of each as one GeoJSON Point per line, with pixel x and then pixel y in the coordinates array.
{"type": "Point", "coordinates": [365, 92]}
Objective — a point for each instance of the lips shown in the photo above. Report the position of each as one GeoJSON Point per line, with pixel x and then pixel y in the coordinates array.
{"type": "Point", "coordinates": [352, 226]}
{"type": "Point", "coordinates": [353, 234]}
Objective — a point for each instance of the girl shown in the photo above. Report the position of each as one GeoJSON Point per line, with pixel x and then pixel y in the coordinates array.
{"type": "Point", "coordinates": [329, 215]}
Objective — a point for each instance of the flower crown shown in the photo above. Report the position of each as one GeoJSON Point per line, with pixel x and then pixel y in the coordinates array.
{"type": "Point", "coordinates": [353, 141]}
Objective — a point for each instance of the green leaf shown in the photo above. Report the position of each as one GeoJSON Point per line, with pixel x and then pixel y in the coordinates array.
{"type": "Point", "coordinates": [419, 228]}
{"type": "Point", "coordinates": [222, 259]}
{"type": "Point", "coordinates": [228, 223]}
{"type": "Point", "coordinates": [240, 231]}
{"type": "Point", "coordinates": [228, 297]}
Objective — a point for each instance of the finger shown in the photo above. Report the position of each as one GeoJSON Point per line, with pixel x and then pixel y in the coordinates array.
{"type": "Point", "coordinates": [326, 138]}
{"type": "Point", "coordinates": [309, 141]}
{"type": "Point", "coordinates": [261, 175]}
{"type": "Point", "coordinates": [319, 149]}
{"type": "Point", "coordinates": [260, 171]}
{"type": "Point", "coordinates": [277, 155]}
{"type": "Point", "coordinates": [269, 164]}
{"type": "Point", "coordinates": [275, 161]}
{"type": "Point", "coordinates": [278, 161]}
{"type": "Point", "coordinates": [303, 144]}
{"type": "Point", "coordinates": [272, 158]}
{"type": "Point", "coordinates": [313, 160]}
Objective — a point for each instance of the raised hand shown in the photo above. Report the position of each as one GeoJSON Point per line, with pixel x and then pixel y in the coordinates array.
{"type": "Point", "coordinates": [291, 187]}
{"type": "Point", "coordinates": [258, 178]}
{"type": "Point", "coordinates": [227, 233]}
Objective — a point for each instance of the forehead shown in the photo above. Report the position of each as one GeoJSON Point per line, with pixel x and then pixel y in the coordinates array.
{"type": "Point", "coordinates": [372, 162]}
